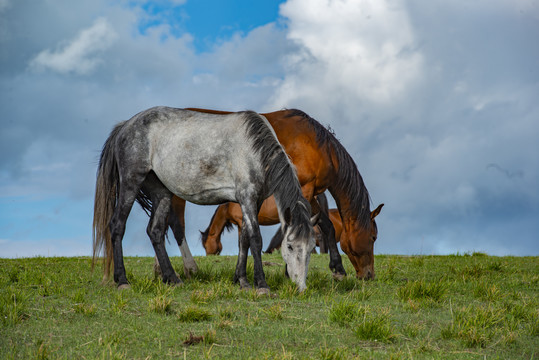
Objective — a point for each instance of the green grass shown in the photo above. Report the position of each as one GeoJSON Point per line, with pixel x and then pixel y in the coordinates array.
{"type": "Point", "coordinates": [419, 307]}
{"type": "Point", "coordinates": [420, 289]}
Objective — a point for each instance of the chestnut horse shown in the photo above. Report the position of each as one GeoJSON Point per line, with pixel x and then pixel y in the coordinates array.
{"type": "Point", "coordinates": [322, 163]}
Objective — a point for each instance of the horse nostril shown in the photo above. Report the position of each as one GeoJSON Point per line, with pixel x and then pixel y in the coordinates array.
{"type": "Point", "coordinates": [369, 275]}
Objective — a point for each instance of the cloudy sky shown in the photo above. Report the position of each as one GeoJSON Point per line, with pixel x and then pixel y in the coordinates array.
{"type": "Point", "coordinates": [437, 102]}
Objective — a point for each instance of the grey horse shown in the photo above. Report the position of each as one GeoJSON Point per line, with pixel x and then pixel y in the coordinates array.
{"type": "Point", "coordinates": [206, 159]}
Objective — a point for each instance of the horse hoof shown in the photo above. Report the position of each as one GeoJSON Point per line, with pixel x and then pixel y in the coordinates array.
{"type": "Point", "coordinates": [124, 286]}
{"type": "Point", "coordinates": [262, 291]}
{"type": "Point", "coordinates": [189, 272]}
{"type": "Point", "coordinates": [338, 277]}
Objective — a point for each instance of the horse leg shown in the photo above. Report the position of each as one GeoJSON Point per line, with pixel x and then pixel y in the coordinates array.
{"type": "Point", "coordinates": [335, 261]}
{"type": "Point", "coordinates": [161, 199]}
{"type": "Point", "coordinates": [240, 274]}
{"type": "Point", "coordinates": [156, 231]}
{"type": "Point", "coordinates": [326, 226]}
{"type": "Point", "coordinates": [323, 241]}
{"type": "Point", "coordinates": [321, 202]}
{"type": "Point", "coordinates": [126, 198]}
{"type": "Point", "coordinates": [190, 267]}
{"type": "Point", "coordinates": [251, 229]}
{"type": "Point", "coordinates": [176, 221]}
{"type": "Point", "coordinates": [177, 225]}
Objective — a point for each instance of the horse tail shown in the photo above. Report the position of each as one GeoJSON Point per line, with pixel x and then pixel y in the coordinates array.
{"type": "Point", "coordinates": [106, 190]}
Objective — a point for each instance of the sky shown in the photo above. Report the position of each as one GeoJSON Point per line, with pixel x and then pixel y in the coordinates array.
{"type": "Point", "coordinates": [436, 101]}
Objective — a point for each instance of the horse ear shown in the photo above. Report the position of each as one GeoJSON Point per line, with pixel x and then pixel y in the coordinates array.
{"type": "Point", "coordinates": [376, 211]}
{"type": "Point", "coordinates": [287, 216]}
{"type": "Point", "coordinates": [314, 219]}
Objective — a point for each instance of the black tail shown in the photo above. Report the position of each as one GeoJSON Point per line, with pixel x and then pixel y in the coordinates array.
{"type": "Point", "coordinates": [106, 190]}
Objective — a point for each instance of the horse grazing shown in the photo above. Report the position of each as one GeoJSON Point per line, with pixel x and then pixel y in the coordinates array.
{"type": "Point", "coordinates": [224, 218]}
{"type": "Point", "coordinates": [347, 246]}
{"type": "Point", "coordinates": [322, 163]}
{"type": "Point", "coordinates": [205, 159]}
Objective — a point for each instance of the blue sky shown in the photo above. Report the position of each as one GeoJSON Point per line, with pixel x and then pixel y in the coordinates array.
{"type": "Point", "coordinates": [436, 102]}
{"type": "Point", "coordinates": [212, 22]}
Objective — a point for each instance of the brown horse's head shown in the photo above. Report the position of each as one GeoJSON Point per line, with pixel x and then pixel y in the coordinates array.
{"type": "Point", "coordinates": [213, 247]}
{"type": "Point", "coordinates": [211, 242]}
{"type": "Point", "coordinates": [211, 237]}
{"type": "Point", "coordinates": [361, 247]}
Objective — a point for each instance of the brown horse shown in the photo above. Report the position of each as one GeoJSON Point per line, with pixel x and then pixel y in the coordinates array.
{"type": "Point", "coordinates": [322, 163]}
{"type": "Point", "coordinates": [226, 216]}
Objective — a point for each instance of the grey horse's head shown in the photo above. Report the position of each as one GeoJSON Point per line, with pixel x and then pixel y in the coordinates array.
{"type": "Point", "coordinates": [296, 250]}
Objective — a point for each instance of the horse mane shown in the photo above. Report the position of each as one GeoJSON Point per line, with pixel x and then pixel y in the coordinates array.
{"type": "Point", "coordinates": [349, 180]}
{"type": "Point", "coordinates": [281, 178]}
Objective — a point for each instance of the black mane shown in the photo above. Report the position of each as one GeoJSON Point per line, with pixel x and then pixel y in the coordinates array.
{"type": "Point", "coordinates": [281, 178]}
{"type": "Point", "coordinates": [349, 180]}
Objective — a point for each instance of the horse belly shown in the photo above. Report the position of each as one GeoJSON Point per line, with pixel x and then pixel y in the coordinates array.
{"type": "Point", "coordinates": [210, 196]}
{"type": "Point", "coordinates": [196, 182]}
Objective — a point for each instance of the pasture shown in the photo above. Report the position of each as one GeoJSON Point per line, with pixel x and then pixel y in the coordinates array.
{"type": "Point", "coordinates": [467, 306]}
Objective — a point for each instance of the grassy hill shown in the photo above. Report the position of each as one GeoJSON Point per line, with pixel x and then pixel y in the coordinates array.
{"type": "Point", "coordinates": [460, 306]}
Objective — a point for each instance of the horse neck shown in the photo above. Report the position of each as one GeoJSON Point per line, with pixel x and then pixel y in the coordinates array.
{"type": "Point", "coordinates": [352, 218]}
{"type": "Point", "coordinates": [279, 173]}
{"type": "Point", "coordinates": [350, 193]}
{"type": "Point", "coordinates": [219, 221]}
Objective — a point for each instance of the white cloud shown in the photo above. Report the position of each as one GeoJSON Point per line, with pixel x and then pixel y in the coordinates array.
{"type": "Point", "coordinates": [80, 55]}
{"type": "Point", "coordinates": [360, 50]}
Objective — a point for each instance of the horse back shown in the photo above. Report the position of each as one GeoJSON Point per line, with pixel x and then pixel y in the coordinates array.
{"type": "Point", "coordinates": [313, 158]}
{"type": "Point", "coordinates": [202, 158]}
